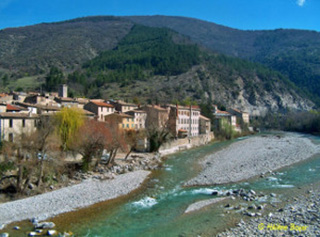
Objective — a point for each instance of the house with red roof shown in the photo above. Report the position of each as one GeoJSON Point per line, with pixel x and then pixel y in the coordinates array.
{"type": "Point", "coordinates": [220, 115]}
{"type": "Point", "coordinates": [184, 120]}
{"type": "Point", "coordinates": [99, 108]}
{"type": "Point", "coordinates": [241, 115]}
{"type": "Point", "coordinates": [15, 109]}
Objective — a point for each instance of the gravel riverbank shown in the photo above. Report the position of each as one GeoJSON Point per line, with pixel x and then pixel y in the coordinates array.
{"type": "Point", "coordinates": [70, 198]}
{"type": "Point", "coordinates": [201, 204]}
{"type": "Point", "coordinates": [254, 156]}
{"type": "Point", "coordinates": [299, 218]}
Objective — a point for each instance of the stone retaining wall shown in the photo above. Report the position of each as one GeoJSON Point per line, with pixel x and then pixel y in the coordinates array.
{"type": "Point", "coordinates": [185, 143]}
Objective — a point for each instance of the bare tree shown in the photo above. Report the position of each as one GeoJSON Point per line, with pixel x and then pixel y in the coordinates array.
{"type": "Point", "coordinates": [132, 139]}
{"type": "Point", "coordinates": [92, 139]}
{"type": "Point", "coordinates": [115, 142]}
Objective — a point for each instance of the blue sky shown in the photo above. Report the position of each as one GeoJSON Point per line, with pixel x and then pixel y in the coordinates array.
{"type": "Point", "coordinates": [241, 14]}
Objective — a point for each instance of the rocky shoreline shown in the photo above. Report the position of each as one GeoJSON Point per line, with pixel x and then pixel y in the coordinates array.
{"type": "Point", "coordinates": [252, 157]}
{"type": "Point", "coordinates": [298, 218]}
{"type": "Point", "coordinates": [68, 199]}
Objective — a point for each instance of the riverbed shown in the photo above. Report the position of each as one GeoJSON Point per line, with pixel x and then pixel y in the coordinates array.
{"type": "Point", "coordinates": [158, 207]}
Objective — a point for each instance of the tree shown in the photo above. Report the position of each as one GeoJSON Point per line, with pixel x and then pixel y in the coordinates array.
{"type": "Point", "coordinates": [54, 78]}
{"type": "Point", "coordinates": [44, 141]}
{"type": "Point", "coordinates": [5, 80]}
{"type": "Point", "coordinates": [132, 138]}
{"type": "Point", "coordinates": [68, 121]}
{"type": "Point", "coordinates": [158, 128]}
{"type": "Point", "coordinates": [92, 139]}
{"type": "Point", "coordinates": [29, 154]}
{"type": "Point", "coordinates": [115, 142]}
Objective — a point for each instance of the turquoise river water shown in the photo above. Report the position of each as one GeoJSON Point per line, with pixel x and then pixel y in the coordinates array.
{"type": "Point", "coordinates": [157, 209]}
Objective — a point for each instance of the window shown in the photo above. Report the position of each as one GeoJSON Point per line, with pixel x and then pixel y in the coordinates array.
{"type": "Point", "coordinates": [123, 126]}
{"type": "Point", "coordinates": [10, 137]}
{"type": "Point", "coordinates": [10, 123]}
{"type": "Point", "coordinates": [127, 125]}
{"type": "Point", "coordinates": [23, 123]}
{"type": "Point", "coordinates": [101, 109]}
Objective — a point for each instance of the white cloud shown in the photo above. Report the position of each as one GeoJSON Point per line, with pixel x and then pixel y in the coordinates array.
{"type": "Point", "coordinates": [301, 2]}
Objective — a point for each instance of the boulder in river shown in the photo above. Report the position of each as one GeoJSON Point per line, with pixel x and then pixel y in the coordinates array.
{"type": "Point", "coordinates": [44, 225]}
{"type": "Point", "coordinates": [52, 232]}
{"type": "Point", "coordinates": [215, 193]}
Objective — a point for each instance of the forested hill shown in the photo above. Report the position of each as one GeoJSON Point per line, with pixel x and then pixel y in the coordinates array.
{"type": "Point", "coordinates": [295, 53]}
{"type": "Point", "coordinates": [113, 57]}
{"type": "Point", "coordinates": [159, 65]}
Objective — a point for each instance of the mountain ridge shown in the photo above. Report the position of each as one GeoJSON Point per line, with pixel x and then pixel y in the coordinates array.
{"type": "Point", "coordinates": [70, 44]}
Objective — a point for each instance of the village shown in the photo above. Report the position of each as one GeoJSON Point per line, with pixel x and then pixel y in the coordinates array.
{"type": "Point", "coordinates": [20, 113]}
{"type": "Point", "coordinates": [94, 138]}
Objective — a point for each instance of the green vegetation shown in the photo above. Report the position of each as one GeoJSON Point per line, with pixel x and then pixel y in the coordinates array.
{"type": "Point", "coordinates": [53, 79]}
{"type": "Point", "coordinates": [143, 61]}
{"type": "Point", "coordinates": [305, 122]}
{"type": "Point", "coordinates": [144, 52]}
{"type": "Point", "coordinates": [68, 120]}
{"type": "Point", "coordinates": [29, 83]}
{"type": "Point", "coordinates": [224, 130]}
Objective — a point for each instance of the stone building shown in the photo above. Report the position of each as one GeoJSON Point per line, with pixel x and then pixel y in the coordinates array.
{"type": "Point", "coordinates": [12, 125]}
{"type": "Point", "coordinates": [124, 121]}
{"type": "Point", "coordinates": [241, 116]}
{"type": "Point", "coordinates": [204, 125]}
{"type": "Point", "coordinates": [63, 91]}
{"type": "Point", "coordinates": [122, 106]}
{"type": "Point", "coordinates": [140, 118]}
{"type": "Point", "coordinates": [99, 108]}
{"type": "Point", "coordinates": [157, 117]}
{"type": "Point", "coordinates": [184, 120]}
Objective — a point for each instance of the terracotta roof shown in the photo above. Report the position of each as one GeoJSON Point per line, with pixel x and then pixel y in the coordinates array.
{"type": "Point", "coordinates": [66, 99]}
{"type": "Point", "coordinates": [102, 104]}
{"type": "Point", "coordinates": [157, 107]}
{"type": "Point", "coordinates": [3, 95]}
{"type": "Point", "coordinates": [18, 115]}
{"type": "Point", "coordinates": [203, 117]}
{"type": "Point", "coordinates": [182, 130]}
{"type": "Point", "coordinates": [120, 115]}
{"type": "Point", "coordinates": [13, 108]}
{"type": "Point", "coordinates": [223, 112]}
{"type": "Point", "coordinates": [136, 111]}
{"type": "Point", "coordinates": [185, 107]}
{"type": "Point", "coordinates": [120, 102]}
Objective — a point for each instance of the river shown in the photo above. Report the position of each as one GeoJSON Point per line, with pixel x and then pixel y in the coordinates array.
{"type": "Point", "coordinates": [157, 208]}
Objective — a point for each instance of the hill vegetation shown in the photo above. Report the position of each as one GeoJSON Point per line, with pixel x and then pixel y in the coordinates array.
{"type": "Point", "coordinates": [163, 59]}
{"type": "Point", "coordinates": [294, 53]}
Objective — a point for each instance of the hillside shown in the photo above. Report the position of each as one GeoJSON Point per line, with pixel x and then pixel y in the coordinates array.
{"type": "Point", "coordinates": [68, 44]}
{"type": "Point", "coordinates": [295, 53]}
{"type": "Point", "coordinates": [157, 65]}
{"type": "Point", "coordinates": [113, 57]}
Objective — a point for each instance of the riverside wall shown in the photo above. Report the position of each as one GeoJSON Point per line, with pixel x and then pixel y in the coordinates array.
{"type": "Point", "coordinates": [185, 143]}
